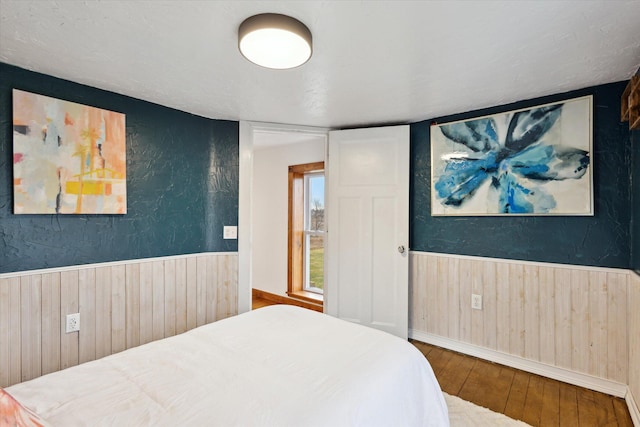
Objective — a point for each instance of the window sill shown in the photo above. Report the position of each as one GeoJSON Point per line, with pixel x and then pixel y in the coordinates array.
{"type": "Point", "coordinates": [307, 296]}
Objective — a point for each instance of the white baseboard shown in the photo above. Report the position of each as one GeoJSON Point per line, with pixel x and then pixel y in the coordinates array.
{"type": "Point", "coordinates": [561, 374]}
{"type": "Point", "coordinates": [633, 409]}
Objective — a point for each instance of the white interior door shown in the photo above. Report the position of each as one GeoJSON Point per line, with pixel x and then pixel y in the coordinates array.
{"type": "Point", "coordinates": [368, 227]}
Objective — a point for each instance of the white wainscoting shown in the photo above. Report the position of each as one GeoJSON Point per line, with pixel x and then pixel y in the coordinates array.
{"type": "Point", "coordinates": [562, 321]}
{"type": "Point", "coordinates": [121, 305]}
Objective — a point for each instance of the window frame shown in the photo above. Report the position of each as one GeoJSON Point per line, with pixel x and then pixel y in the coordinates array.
{"type": "Point", "coordinates": [297, 232]}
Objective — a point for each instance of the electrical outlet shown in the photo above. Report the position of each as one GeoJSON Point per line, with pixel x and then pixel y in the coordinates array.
{"type": "Point", "coordinates": [73, 323]}
{"type": "Point", "coordinates": [476, 301]}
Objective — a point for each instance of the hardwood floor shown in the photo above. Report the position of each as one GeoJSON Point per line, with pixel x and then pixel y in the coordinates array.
{"type": "Point", "coordinates": [260, 302]}
{"type": "Point", "coordinates": [262, 298]}
{"type": "Point", "coordinates": [536, 400]}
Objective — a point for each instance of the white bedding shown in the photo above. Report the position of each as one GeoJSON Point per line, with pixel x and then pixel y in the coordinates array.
{"type": "Point", "coordinates": [276, 366]}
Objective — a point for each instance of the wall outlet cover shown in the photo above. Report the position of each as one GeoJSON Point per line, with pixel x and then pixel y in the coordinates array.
{"type": "Point", "coordinates": [73, 323]}
{"type": "Point", "coordinates": [476, 302]}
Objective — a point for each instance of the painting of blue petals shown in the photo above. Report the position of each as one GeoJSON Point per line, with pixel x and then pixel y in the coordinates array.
{"type": "Point", "coordinates": [535, 161]}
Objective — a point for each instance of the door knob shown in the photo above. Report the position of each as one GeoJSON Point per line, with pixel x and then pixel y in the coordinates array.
{"type": "Point", "coordinates": [401, 249]}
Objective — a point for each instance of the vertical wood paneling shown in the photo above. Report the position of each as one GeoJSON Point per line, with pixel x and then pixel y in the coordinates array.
{"type": "Point", "coordinates": [227, 295]}
{"type": "Point", "coordinates": [573, 318]}
{"type": "Point", "coordinates": [87, 298]}
{"type": "Point", "coordinates": [414, 298]}
{"type": "Point", "coordinates": [422, 318]}
{"type": "Point", "coordinates": [118, 308]}
{"type": "Point", "coordinates": [432, 293]}
{"type": "Point", "coordinates": [617, 366]}
{"type": "Point", "coordinates": [103, 311]}
{"type": "Point", "coordinates": [30, 298]}
{"type": "Point", "coordinates": [547, 301]}
{"type": "Point", "coordinates": [489, 298]}
{"type": "Point", "coordinates": [169, 298]}
{"type": "Point", "coordinates": [477, 316]}
{"type": "Point", "coordinates": [531, 312]}
{"type": "Point", "coordinates": [69, 304]}
{"type": "Point", "coordinates": [598, 320]}
{"type": "Point", "coordinates": [201, 290]}
{"type": "Point", "coordinates": [502, 307]}
{"type": "Point", "coordinates": [132, 297]}
{"type": "Point", "coordinates": [423, 305]}
{"type": "Point", "coordinates": [224, 297]}
{"type": "Point", "coordinates": [146, 302]}
{"type": "Point", "coordinates": [516, 309]}
{"type": "Point", "coordinates": [181, 295]}
{"type": "Point", "coordinates": [453, 300]}
{"type": "Point", "coordinates": [158, 300]}
{"type": "Point", "coordinates": [563, 336]}
{"type": "Point", "coordinates": [15, 328]}
{"type": "Point", "coordinates": [192, 293]}
{"type": "Point", "coordinates": [440, 311]}
{"type": "Point", "coordinates": [50, 322]}
{"type": "Point", "coordinates": [583, 315]}
{"type": "Point", "coordinates": [211, 292]}
{"type": "Point", "coordinates": [464, 271]}
{"type": "Point", "coordinates": [231, 284]}
{"type": "Point", "coordinates": [26, 333]}
{"type": "Point", "coordinates": [5, 321]}
{"type": "Point", "coordinates": [634, 336]}
{"type": "Point", "coordinates": [579, 319]}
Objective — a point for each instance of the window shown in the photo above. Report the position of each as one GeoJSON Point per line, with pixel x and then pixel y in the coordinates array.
{"type": "Point", "coordinates": [314, 232]}
{"type": "Point", "coordinates": [306, 231]}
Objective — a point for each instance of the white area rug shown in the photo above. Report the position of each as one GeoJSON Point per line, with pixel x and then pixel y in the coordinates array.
{"type": "Point", "coordinates": [466, 414]}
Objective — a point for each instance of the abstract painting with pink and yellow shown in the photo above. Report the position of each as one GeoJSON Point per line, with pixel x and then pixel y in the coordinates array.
{"type": "Point", "coordinates": [68, 158]}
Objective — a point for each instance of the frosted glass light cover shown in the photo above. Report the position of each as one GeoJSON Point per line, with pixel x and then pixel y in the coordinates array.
{"type": "Point", "coordinates": [275, 41]}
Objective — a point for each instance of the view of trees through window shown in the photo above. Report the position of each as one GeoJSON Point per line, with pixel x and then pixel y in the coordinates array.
{"type": "Point", "coordinates": [314, 231]}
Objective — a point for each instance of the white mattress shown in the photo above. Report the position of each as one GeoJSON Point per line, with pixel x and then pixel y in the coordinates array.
{"type": "Point", "coordinates": [276, 366]}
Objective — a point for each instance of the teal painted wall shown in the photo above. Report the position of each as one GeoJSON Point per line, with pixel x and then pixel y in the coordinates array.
{"type": "Point", "coordinates": [602, 240]}
{"type": "Point", "coordinates": [635, 186]}
{"type": "Point", "coordinates": [182, 185]}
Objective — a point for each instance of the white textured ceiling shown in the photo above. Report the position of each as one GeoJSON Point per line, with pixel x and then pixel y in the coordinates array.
{"type": "Point", "coordinates": [374, 62]}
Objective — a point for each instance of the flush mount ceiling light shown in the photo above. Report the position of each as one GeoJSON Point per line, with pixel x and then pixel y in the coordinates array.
{"type": "Point", "coordinates": [274, 41]}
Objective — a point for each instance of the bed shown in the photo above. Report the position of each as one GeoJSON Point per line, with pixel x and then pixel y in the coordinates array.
{"type": "Point", "coordinates": [275, 366]}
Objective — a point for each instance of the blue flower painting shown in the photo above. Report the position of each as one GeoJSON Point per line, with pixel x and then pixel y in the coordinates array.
{"type": "Point", "coordinates": [527, 162]}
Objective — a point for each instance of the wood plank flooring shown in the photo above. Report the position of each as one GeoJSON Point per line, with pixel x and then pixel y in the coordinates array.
{"type": "Point", "coordinates": [536, 400]}
{"type": "Point", "coordinates": [259, 303]}
{"type": "Point", "coordinates": [263, 298]}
